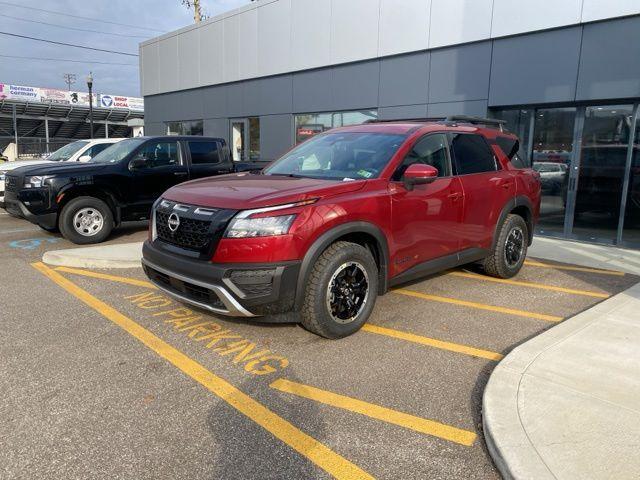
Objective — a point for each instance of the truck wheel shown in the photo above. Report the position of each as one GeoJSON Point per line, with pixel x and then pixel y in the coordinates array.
{"type": "Point", "coordinates": [341, 291]}
{"type": "Point", "coordinates": [86, 220]}
{"type": "Point", "coordinates": [510, 250]}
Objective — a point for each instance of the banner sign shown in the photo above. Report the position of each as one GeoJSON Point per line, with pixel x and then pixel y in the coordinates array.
{"type": "Point", "coordinates": [63, 97]}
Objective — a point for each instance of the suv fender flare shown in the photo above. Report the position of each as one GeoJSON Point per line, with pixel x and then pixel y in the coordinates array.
{"type": "Point", "coordinates": [518, 201]}
{"type": "Point", "coordinates": [330, 236]}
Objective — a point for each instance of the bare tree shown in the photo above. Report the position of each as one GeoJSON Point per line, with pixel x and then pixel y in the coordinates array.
{"type": "Point", "coordinates": [197, 10]}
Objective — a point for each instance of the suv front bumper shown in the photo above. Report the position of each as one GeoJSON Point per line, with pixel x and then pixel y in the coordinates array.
{"type": "Point", "coordinates": [237, 290]}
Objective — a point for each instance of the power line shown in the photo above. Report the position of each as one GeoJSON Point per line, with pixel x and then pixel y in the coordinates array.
{"type": "Point", "coordinates": [79, 17]}
{"type": "Point", "coordinates": [71, 28]}
{"type": "Point", "coordinates": [90, 62]}
{"type": "Point", "coordinates": [67, 44]}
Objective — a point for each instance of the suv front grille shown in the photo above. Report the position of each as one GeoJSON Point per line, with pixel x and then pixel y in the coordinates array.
{"type": "Point", "coordinates": [191, 234]}
{"type": "Point", "coordinates": [10, 183]}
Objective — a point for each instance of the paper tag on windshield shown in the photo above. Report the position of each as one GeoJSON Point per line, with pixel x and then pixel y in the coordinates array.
{"type": "Point", "coordinates": [364, 173]}
{"type": "Point", "coordinates": [347, 179]}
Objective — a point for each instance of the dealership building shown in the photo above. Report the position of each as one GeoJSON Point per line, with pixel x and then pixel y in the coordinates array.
{"type": "Point", "coordinates": [564, 74]}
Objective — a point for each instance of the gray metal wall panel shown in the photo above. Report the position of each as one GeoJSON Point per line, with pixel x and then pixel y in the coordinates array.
{"type": "Point", "coordinates": [460, 73]}
{"type": "Point", "coordinates": [154, 108]}
{"type": "Point", "coordinates": [154, 128]}
{"type": "Point", "coordinates": [473, 107]}
{"type": "Point", "coordinates": [276, 135]}
{"type": "Point", "coordinates": [312, 91]}
{"type": "Point", "coordinates": [404, 80]}
{"type": "Point", "coordinates": [188, 105]}
{"type": "Point", "coordinates": [276, 95]}
{"type": "Point", "coordinates": [216, 127]}
{"type": "Point", "coordinates": [535, 68]}
{"type": "Point", "coordinates": [610, 60]}
{"type": "Point", "coordinates": [402, 111]}
{"type": "Point", "coordinates": [214, 100]}
{"type": "Point", "coordinates": [235, 100]}
{"type": "Point", "coordinates": [355, 86]}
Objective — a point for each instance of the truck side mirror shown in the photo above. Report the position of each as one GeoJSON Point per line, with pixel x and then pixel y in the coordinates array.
{"type": "Point", "coordinates": [138, 163]}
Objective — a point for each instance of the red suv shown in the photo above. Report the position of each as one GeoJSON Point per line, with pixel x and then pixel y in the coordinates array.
{"type": "Point", "coordinates": [317, 235]}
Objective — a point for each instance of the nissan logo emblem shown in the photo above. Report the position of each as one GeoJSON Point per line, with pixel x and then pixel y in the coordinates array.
{"type": "Point", "coordinates": [173, 222]}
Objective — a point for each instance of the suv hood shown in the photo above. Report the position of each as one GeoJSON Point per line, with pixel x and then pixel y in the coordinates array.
{"type": "Point", "coordinates": [7, 166]}
{"type": "Point", "coordinates": [61, 168]}
{"type": "Point", "coordinates": [243, 191]}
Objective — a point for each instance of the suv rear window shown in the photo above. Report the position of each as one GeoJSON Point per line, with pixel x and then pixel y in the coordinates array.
{"type": "Point", "coordinates": [204, 152]}
{"type": "Point", "coordinates": [472, 154]}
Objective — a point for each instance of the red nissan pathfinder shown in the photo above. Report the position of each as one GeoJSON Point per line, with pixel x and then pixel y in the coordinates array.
{"type": "Point", "coordinates": [317, 235]}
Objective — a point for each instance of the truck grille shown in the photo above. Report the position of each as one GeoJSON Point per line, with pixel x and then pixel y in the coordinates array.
{"type": "Point", "coordinates": [11, 183]}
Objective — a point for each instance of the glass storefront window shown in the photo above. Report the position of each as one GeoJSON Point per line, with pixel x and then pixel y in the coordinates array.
{"type": "Point", "coordinates": [189, 127]}
{"type": "Point", "coordinates": [552, 150]}
{"type": "Point", "coordinates": [631, 230]}
{"type": "Point", "coordinates": [518, 122]}
{"type": "Point", "coordinates": [310, 124]}
{"type": "Point", "coordinates": [603, 158]}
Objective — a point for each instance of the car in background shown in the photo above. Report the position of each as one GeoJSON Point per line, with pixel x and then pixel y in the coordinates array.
{"type": "Point", "coordinates": [85, 201]}
{"type": "Point", "coordinates": [80, 151]}
{"type": "Point", "coordinates": [553, 176]}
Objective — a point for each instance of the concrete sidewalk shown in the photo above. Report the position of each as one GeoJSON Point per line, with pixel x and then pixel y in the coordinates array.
{"type": "Point", "coordinates": [123, 255]}
{"type": "Point", "coordinates": [566, 404]}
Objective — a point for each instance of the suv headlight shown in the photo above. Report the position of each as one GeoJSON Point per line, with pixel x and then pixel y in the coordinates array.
{"type": "Point", "coordinates": [2, 174]}
{"type": "Point", "coordinates": [243, 226]}
{"type": "Point", "coordinates": [34, 182]}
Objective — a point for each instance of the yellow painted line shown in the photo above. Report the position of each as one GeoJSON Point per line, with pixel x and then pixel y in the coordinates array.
{"type": "Point", "coordinates": [104, 276]}
{"type": "Point", "coordinates": [480, 306]}
{"type": "Point", "coordinates": [541, 286]}
{"type": "Point", "coordinates": [432, 342]}
{"type": "Point", "coordinates": [572, 268]}
{"type": "Point", "coordinates": [317, 452]}
{"type": "Point", "coordinates": [422, 425]}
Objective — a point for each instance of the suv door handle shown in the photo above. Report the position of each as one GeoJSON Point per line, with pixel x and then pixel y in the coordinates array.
{"type": "Point", "coordinates": [455, 196]}
{"type": "Point", "coordinates": [506, 185]}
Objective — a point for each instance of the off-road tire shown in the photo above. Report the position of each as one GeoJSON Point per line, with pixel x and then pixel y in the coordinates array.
{"type": "Point", "coordinates": [496, 264]}
{"type": "Point", "coordinates": [70, 209]}
{"type": "Point", "coordinates": [315, 314]}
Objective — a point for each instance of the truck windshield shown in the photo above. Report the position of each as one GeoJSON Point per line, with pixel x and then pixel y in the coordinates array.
{"type": "Point", "coordinates": [118, 151]}
{"type": "Point", "coordinates": [65, 153]}
{"type": "Point", "coordinates": [339, 156]}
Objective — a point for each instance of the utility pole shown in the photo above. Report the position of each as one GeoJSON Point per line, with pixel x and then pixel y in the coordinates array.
{"type": "Point", "coordinates": [69, 79]}
{"type": "Point", "coordinates": [197, 9]}
{"type": "Point", "coordinates": [90, 85]}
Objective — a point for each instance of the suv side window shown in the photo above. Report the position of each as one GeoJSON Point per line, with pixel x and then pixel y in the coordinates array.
{"type": "Point", "coordinates": [431, 150]}
{"type": "Point", "coordinates": [472, 154]}
{"type": "Point", "coordinates": [204, 152]}
{"type": "Point", "coordinates": [159, 154]}
{"type": "Point", "coordinates": [96, 149]}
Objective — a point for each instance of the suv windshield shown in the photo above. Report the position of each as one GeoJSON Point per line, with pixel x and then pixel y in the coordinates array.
{"type": "Point", "coordinates": [65, 153]}
{"type": "Point", "coordinates": [118, 151]}
{"type": "Point", "coordinates": [339, 156]}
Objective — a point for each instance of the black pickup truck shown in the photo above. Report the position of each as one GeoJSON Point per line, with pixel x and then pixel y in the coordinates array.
{"type": "Point", "coordinates": [85, 201]}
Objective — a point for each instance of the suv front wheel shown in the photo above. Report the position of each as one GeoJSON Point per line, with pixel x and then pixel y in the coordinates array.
{"type": "Point", "coordinates": [86, 220]}
{"type": "Point", "coordinates": [510, 249]}
{"type": "Point", "coordinates": [341, 291]}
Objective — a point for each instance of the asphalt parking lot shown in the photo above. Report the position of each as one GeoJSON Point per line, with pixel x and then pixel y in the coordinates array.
{"type": "Point", "coordinates": [105, 377]}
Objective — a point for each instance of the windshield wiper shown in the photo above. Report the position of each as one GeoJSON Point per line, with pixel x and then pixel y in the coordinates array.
{"type": "Point", "coordinates": [290, 175]}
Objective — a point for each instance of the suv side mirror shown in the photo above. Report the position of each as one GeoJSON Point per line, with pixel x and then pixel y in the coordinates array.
{"type": "Point", "coordinates": [419, 174]}
{"type": "Point", "coordinates": [138, 163]}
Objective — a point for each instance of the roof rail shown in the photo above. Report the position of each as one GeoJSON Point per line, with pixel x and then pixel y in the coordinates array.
{"type": "Point", "coordinates": [494, 122]}
{"type": "Point", "coordinates": [408, 120]}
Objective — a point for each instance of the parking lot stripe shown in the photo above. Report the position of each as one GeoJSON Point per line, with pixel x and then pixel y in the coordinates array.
{"type": "Point", "coordinates": [418, 424]}
{"type": "Point", "coordinates": [104, 276]}
{"type": "Point", "coordinates": [533, 263]}
{"type": "Point", "coordinates": [432, 342]}
{"type": "Point", "coordinates": [304, 444]}
{"type": "Point", "coordinates": [480, 306]}
{"type": "Point", "coordinates": [519, 283]}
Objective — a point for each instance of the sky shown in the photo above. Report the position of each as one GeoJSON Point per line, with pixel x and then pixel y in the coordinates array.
{"type": "Point", "coordinates": [156, 16]}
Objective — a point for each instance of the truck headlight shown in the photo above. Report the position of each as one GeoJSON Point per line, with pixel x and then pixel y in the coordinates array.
{"type": "Point", "coordinates": [243, 226]}
{"type": "Point", "coordinates": [2, 174]}
{"type": "Point", "coordinates": [34, 182]}
{"type": "Point", "coordinates": [259, 227]}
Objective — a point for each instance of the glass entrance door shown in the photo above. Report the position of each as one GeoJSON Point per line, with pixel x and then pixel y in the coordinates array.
{"type": "Point", "coordinates": [598, 172]}
{"type": "Point", "coordinates": [240, 140]}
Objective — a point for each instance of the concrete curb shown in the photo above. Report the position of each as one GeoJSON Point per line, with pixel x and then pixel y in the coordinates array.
{"type": "Point", "coordinates": [508, 439]}
{"type": "Point", "coordinates": [123, 255]}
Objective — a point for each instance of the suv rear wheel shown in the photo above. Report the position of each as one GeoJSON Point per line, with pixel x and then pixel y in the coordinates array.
{"type": "Point", "coordinates": [341, 291]}
{"type": "Point", "coordinates": [510, 250]}
{"type": "Point", "coordinates": [86, 220]}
